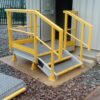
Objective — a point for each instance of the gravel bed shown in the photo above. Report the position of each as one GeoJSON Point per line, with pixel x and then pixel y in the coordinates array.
{"type": "Point", "coordinates": [75, 89]}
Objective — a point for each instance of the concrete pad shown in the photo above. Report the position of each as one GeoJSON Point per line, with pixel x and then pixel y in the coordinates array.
{"type": "Point", "coordinates": [87, 54]}
{"type": "Point", "coordinates": [95, 95]}
{"type": "Point", "coordinates": [24, 66]}
{"type": "Point", "coordinates": [89, 63]}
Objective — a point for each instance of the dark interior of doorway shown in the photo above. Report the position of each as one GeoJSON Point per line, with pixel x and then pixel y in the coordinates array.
{"type": "Point", "coordinates": [60, 6]}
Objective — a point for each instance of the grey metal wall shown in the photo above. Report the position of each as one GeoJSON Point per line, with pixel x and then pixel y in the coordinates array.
{"type": "Point", "coordinates": [90, 11]}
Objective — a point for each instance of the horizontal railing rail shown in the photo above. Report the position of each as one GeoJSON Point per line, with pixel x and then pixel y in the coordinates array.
{"type": "Point", "coordinates": [45, 19]}
{"type": "Point", "coordinates": [34, 15]}
{"type": "Point", "coordinates": [77, 18]}
{"type": "Point", "coordinates": [19, 10]}
{"type": "Point", "coordinates": [81, 40]}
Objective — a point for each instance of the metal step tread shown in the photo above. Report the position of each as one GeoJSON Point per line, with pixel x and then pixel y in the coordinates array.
{"type": "Point", "coordinates": [23, 54]}
{"type": "Point", "coordinates": [71, 63]}
{"type": "Point", "coordinates": [9, 85]}
{"type": "Point", "coordinates": [66, 65]}
{"type": "Point", "coordinates": [47, 58]}
{"type": "Point", "coordinates": [41, 47]}
{"type": "Point", "coordinates": [59, 68]}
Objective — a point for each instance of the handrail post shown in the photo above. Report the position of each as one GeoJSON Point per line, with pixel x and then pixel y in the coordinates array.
{"type": "Point", "coordinates": [34, 65]}
{"type": "Point", "coordinates": [10, 33]}
{"type": "Point", "coordinates": [31, 23]}
{"type": "Point", "coordinates": [65, 30]}
{"type": "Point", "coordinates": [84, 23]}
{"type": "Point", "coordinates": [60, 44]}
{"type": "Point", "coordinates": [90, 38]}
{"type": "Point", "coordinates": [52, 76]}
{"type": "Point", "coordinates": [75, 30]}
{"type": "Point", "coordinates": [81, 44]}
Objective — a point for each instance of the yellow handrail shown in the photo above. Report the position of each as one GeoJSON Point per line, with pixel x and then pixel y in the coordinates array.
{"type": "Point", "coordinates": [19, 10]}
{"type": "Point", "coordinates": [77, 18]}
{"type": "Point", "coordinates": [77, 39]}
{"type": "Point", "coordinates": [45, 19]}
{"type": "Point", "coordinates": [84, 24]}
{"type": "Point", "coordinates": [21, 31]}
{"type": "Point", "coordinates": [38, 14]}
{"type": "Point", "coordinates": [15, 94]}
{"type": "Point", "coordinates": [33, 32]}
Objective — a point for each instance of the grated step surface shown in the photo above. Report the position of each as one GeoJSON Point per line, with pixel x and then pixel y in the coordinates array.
{"type": "Point", "coordinates": [65, 65]}
{"type": "Point", "coordinates": [41, 47]}
{"type": "Point", "coordinates": [9, 85]}
{"type": "Point", "coordinates": [47, 58]}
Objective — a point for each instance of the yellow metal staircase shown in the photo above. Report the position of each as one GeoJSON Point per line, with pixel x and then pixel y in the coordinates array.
{"type": "Point", "coordinates": [52, 57]}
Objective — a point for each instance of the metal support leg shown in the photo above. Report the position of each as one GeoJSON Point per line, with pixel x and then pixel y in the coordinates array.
{"type": "Point", "coordinates": [34, 66]}
{"type": "Point", "coordinates": [52, 77]}
{"type": "Point", "coordinates": [14, 58]}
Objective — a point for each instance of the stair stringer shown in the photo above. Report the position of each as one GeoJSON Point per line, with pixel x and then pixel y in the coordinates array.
{"type": "Point", "coordinates": [47, 70]}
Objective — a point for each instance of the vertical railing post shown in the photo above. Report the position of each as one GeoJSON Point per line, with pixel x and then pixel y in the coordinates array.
{"type": "Point", "coordinates": [75, 30]}
{"type": "Point", "coordinates": [60, 44]}
{"type": "Point", "coordinates": [52, 76]}
{"type": "Point", "coordinates": [34, 65]}
{"type": "Point", "coordinates": [10, 33]}
{"type": "Point", "coordinates": [65, 30]}
{"type": "Point", "coordinates": [81, 44]}
{"type": "Point", "coordinates": [90, 38]}
{"type": "Point", "coordinates": [31, 23]}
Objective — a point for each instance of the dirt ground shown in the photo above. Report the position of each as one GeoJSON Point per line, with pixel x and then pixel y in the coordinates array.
{"type": "Point", "coordinates": [75, 89]}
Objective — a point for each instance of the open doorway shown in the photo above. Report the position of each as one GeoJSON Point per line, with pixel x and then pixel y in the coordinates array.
{"type": "Point", "coordinates": [60, 6]}
{"type": "Point", "coordinates": [52, 9]}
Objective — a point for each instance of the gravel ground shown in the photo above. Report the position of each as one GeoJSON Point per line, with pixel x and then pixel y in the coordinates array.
{"type": "Point", "coordinates": [75, 89]}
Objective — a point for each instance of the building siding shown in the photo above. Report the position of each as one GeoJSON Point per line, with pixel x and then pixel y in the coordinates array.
{"type": "Point", "coordinates": [90, 11]}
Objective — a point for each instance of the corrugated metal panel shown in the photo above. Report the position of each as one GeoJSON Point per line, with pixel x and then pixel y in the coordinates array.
{"type": "Point", "coordinates": [90, 11]}
{"type": "Point", "coordinates": [33, 4]}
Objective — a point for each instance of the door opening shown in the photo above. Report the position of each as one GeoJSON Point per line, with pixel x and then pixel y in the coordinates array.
{"type": "Point", "coordinates": [60, 6]}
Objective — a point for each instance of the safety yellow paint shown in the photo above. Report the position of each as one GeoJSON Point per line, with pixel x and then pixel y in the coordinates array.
{"type": "Point", "coordinates": [70, 43]}
{"type": "Point", "coordinates": [60, 44]}
{"type": "Point", "coordinates": [77, 18]}
{"type": "Point", "coordinates": [9, 21]}
{"type": "Point", "coordinates": [58, 61]}
{"type": "Point", "coordinates": [19, 10]}
{"type": "Point", "coordinates": [77, 39]}
{"type": "Point", "coordinates": [23, 48]}
{"type": "Point", "coordinates": [31, 24]}
{"type": "Point", "coordinates": [14, 58]}
{"type": "Point", "coordinates": [81, 44]}
{"type": "Point", "coordinates": [34, 66]}
{"type": "Point", "coordinates": [47, 46]}
{"type": "Point", "coordinates": [24, 41]}
{"type": "Point", "coordinates": [73, 34]}
{"type": "Point", "coordinates": [90, 38]}
{"type": "Point", "coordinates": [35, 39]}
{"type": "Point", "coordinates": [75, 31]}
{"type": "Point", "coordinates": [63, 43]}
{"type": "Point", "coordinates": [65, 30]}
{"type": "Point", "coordinates": [52, 76]}
{"type": "Point", "coordinates": [69, 69]}
{"type": "Point", "coordinates": [15, 94]}
{"type": "Point", "coordinates": [20, 31]}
